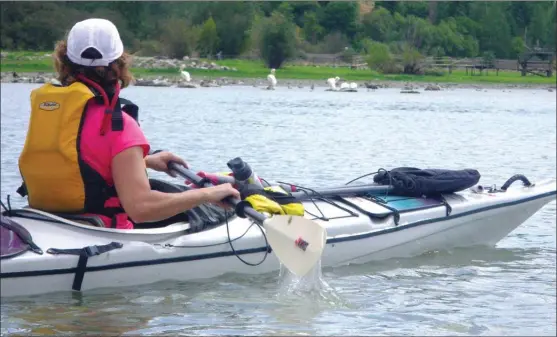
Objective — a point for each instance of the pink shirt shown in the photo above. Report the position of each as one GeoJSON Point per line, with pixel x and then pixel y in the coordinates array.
{"type": "Point", "coordinates": [97, 151]}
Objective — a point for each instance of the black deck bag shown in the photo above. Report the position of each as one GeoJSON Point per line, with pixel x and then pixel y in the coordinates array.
{"type": "Point", "coordinates": [415, 182]}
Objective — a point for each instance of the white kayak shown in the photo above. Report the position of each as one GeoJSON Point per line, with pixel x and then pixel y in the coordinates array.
{"type": "Point", "coordinates": [359, 230]}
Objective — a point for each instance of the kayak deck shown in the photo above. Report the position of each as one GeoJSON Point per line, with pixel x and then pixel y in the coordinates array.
{"type": "Point", "coordinates": [360, 229]}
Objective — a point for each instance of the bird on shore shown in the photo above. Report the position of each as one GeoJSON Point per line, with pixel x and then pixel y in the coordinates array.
{"type": "Point", "coordinates": [185, 75]}
{"type": "Point", "coordinates": [344, 85]}
{"type": "Point", "coordinates": [272, 80]}
{"type": "Point", "coordinates": [332, 82]}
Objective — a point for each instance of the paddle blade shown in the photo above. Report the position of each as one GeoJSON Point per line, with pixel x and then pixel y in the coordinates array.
{"type": "Point", "coordinates": [296, 241]}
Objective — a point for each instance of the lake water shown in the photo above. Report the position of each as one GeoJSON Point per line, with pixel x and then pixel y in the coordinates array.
{"type": "Point", "coordinates": [321, 138]}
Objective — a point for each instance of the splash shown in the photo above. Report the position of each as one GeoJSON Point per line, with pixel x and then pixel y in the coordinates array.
{"type": "Point", "coordinates": [310, 288]}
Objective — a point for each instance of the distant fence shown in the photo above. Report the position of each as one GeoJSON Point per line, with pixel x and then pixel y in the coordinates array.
{"type": "Point", "coordinates": [471, 65]}
{"type": "Point", "coordinates": [480, 64]}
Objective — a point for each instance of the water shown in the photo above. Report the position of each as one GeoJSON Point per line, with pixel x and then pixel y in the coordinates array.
{"type": "Point", "coordinates": [320, 138]}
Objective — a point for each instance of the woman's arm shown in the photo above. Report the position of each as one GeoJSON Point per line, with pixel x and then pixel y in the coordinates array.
{"type": "Point", "coordinates": [159, 160]}
{"type": "Point", "coordinates": [145, 205]}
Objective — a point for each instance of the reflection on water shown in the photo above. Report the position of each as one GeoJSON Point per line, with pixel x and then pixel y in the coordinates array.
{"type": "Point", "coordinates": [318, 138]}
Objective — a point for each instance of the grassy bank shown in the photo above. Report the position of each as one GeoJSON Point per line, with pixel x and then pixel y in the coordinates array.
{"type": "Point", "coordinates": [33, 62]}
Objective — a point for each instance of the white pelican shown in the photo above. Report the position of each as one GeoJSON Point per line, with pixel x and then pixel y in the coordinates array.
{"type": "Point", "coordinates": [185, 75]}
{"type": "Point", "coordinates": [344, 85]}
{"type": "Point", "coordinates": [272, 80]}
{"type": "Point", "coordinates": [353, 85]}
{"type": "Point", "coordinates": [332, 82]}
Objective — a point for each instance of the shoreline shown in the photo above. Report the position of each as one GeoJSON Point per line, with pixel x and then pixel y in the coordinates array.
{"type": "Point", "coordinates": [217, 81]}
{"type": "Point", "coordinates": [36, 67]}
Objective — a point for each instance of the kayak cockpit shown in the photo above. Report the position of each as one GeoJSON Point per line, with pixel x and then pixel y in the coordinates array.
{"type": "Point", "coordinates": [200, 218]}
{"type": "Point", "coordinates": [92, 223]}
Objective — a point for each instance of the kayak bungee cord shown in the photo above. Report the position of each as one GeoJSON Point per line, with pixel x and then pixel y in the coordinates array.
{"type": "Point", "coordinates": [368, 174]}
{"type": "Point", "coordinates": [9, 208]}
{"type": "Point", "coordinates": [378, 171]}
{"type": "Point", "coordinates": [238, 256]}
{"type": "Point", "coordinates": [169, 245]}
{"type": "Point", "coordinates": [323, 198]}
{"type": "Point", "coordinates": [229, 241]}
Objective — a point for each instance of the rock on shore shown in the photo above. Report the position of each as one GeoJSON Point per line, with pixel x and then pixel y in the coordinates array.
{"type": "Point", "coordinates": [294, 84]}
{"type": "Point", "coordinates": [167, 63]}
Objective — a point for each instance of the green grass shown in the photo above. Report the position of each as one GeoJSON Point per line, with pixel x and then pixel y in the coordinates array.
{"type": "Point", "coordinates": [256, 69]}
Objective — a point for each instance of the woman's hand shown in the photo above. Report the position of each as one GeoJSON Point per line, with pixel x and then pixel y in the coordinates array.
{"type": "Point", "coordinates": [159, 162]}
{"type": "Point", "coordinates": [218, 192]}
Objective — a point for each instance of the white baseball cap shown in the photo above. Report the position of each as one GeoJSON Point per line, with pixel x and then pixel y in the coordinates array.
{"type": "Point", "coordinates": [99, 34]}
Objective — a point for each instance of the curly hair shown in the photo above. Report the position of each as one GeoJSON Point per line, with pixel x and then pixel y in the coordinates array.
{"type": "Point", "coordinates": [67, 70]}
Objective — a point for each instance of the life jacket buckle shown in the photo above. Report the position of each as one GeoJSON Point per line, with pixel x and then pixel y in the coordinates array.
{"type": "Point", "coordinates": [117, 123]}
{"type": "Point", "coordinates": [117, 118]}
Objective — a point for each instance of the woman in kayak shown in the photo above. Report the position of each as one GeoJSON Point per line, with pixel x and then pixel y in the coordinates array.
{"type": "Point", "coordinates": [84, 153]}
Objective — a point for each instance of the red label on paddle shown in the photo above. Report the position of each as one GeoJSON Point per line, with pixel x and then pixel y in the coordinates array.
{"type": "Point", "coordinates": [301, 243]}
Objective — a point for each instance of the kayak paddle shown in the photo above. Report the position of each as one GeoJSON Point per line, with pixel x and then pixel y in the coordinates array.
{"type": "Point", "coordinates": [297, 242]}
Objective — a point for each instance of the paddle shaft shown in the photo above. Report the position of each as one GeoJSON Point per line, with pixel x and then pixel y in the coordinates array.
{"type": "Point", "coordinates": [304, 194]}
{"type": "Point", "coordinates": [240, 207]}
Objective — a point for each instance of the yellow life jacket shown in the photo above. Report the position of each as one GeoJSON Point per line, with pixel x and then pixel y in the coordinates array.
{"type": "Point", "coordinates": [55, 179]}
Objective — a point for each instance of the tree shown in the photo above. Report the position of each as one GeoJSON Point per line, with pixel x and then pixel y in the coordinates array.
{"type": "Point", "coordinates": [453, 28]}
{"type": "Point", "coordinates": [340, 16]}
{"type": "Point", "coordinates": [286, 9]}
{"type": "Point", "coordinates": [179, 38]}
{"type": "Point", "coordinates": [432, 11]}
{"type": "Point", "coordinates": [208, 38]}
{"type": "Point", "coordinates": [518, 46]}
{"type": "Point", "coordinates": [277, 40]}
{"type": "Point", "coordinates": [234, 20]}
{"type": "Point", "coordinates": [301, 8]}
{"type": "Point", "coordinates": [542, 26]}
{"type": "Point", "coordinates": [312, 30]}
{"type": "Point", "coordinates": [391, 6]}
{"type": "Point", "coordinates": [414, 8]}
{"type": "Point", "coordinates": [378, 24]}
{"type": "Point", "coordinates": [495, 33]}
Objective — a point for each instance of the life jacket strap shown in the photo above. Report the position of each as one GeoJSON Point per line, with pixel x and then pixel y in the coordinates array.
{"type": "Point", "coordinates": [130, 108]}
{"type": "Point", "coordinates": [120, 218]}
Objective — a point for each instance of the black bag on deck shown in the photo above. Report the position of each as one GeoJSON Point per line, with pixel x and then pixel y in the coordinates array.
{"type": "Point", "coordinates": [415, 182]}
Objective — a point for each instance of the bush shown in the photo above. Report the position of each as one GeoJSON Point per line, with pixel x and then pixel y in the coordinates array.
{"type": "Point", "coordinates": [277, 41]}
{"type": "Point", "coordinates": [149, 48]}
{"type": "Point", "coordinates": [379, 57]}
{"type": "Point", "coordinates": [411, 60]}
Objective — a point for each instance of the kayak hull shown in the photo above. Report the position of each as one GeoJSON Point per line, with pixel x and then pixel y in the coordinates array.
{"type": "Point", "coordinates": [152, 255]}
